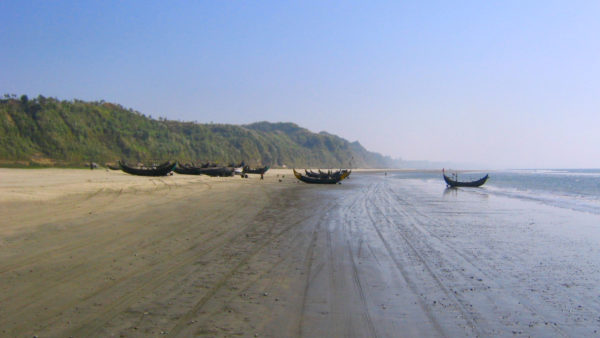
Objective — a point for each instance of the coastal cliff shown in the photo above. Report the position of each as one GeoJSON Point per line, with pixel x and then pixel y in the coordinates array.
{"type": "Point", "coordinates": [51, 132]}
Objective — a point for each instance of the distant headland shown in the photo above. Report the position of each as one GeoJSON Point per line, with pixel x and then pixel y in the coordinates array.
{"type": "Point", "coordinates": [44, 132]}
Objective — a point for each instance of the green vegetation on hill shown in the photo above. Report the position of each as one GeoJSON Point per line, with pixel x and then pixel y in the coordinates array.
{"type": "Point", "coordinates": [50, 132]}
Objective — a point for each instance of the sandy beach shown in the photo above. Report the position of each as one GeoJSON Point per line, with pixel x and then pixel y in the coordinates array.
{"type": "Point", "coordinates": [102, 253]}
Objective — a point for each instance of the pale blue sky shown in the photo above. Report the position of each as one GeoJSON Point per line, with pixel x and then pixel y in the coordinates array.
{"type": "Point", "coordinates": [499, 83]}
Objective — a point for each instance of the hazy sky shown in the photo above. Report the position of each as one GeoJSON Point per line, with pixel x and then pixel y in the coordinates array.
{"type": "Point", "coordinates": [499, 83]}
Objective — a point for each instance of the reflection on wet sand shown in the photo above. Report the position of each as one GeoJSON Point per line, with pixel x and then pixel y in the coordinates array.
{"type": "Point", "coordinates": [376, 256]}
{"type": "Point", "coordinates": [454, 192]}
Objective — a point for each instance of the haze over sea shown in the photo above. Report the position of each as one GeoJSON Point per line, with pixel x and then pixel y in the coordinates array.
{"type": "Point", "coordinates": [576, 189]}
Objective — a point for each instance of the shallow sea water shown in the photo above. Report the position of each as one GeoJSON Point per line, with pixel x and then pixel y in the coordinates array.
{"type": "Point", "coordinates": [509, 258]}
{"type": "Point", "coordinates": [576, 189]}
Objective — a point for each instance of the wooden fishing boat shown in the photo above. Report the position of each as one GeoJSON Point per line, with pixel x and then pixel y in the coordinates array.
{"type": "Point", "coordinates": [248, 170]}
{"type": "Point", "coordinates": [210, 171]}
{"type": "Point", "coordinates": [217, 171]}
{"type": "Point", "coordinates": [311, 173]}
{"type": "Point", "coordinates": [113, 167]}
{"type": "Point", "coordinates": [454, 183]}
{"type": "Point", "coordinates": [321, 180]}
{"type": "Point", "coordinates": [160, 170]}
{"type": "Point", "coordinates": [207, 165]}
{"type": "Point", "coordinates": [328, 174]}
{"type": "Point", "coordinates": [184, 169]}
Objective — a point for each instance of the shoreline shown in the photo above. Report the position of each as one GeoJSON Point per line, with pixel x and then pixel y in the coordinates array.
{"type": "Point", "coordinates": [188, 255]}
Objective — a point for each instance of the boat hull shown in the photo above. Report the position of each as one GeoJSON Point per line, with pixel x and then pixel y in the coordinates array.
{"type": "Point", "coordinates": [322, 180]}
{"type": "Point", "coordinates": [161, 170]}
{"type": "Point", "coordinates": [209, 171]}
{"type": "Point", "coordinates": [452, 183]}
{"type": "Point", "coordinates": [258, 171]}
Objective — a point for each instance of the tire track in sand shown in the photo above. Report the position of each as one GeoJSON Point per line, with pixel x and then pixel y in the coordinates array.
{"type": "Point", "coordinates": [457, 254]}
{"type": "Point", "coordinates": [348, 215]}
{"type": "Point", "coordinates": [409, 280]}
{"type": "Point", "coordinates": [35, 295]}
{"type": "Point", "coordinates": [67, 248]}
{"type": "Point", "coordinates": [185, 319]}
{"type": "Point", "coordinates": [361, 293]}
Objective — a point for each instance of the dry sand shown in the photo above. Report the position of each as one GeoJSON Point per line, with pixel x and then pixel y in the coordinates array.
{"type": "Point", "coordinates": [102, 253]}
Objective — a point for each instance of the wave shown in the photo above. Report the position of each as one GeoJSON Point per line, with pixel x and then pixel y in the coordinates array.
{"type": "Point", "coordinates": [560, 172]}
{"type": "Point", "coordinates": [563, 200]}
{"type": "Point", "coordinates": [574, 189]}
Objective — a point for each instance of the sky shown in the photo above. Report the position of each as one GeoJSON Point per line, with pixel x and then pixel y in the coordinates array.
{"type": "Point", "coordinates": [500, 84]}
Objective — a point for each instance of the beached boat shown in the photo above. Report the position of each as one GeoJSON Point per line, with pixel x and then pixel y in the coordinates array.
{"type": "Point", "coordinates": [206, 165]}
{"type": "Point", "coordinates": [248, 170]}
{"type": "Point", "coordinates": [328, 174]}
{"type": "Point", "coordinates": [113, 167]}
{"type": "Point", "coordinates": [210, 171]}
{"type": "Point", "coordinates": [160, 170]}
{"type": "Point", "coordinates": [333, 179]}
{"type": "Point", "coordinates": [454, 183]}
{"type": "Point", "coordinates": [217, 171]}
{"type": "Point", "coordinates": [311, 173]}
{"type": "Point", "coordinates": [185, 169]}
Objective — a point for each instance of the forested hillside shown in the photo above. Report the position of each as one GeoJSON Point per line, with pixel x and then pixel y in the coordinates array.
{"type": "Point", "coordinates": [51, 132]}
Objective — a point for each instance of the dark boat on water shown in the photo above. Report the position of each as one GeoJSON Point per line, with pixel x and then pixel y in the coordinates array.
{"type": "Point", "coordinates": [455, 183]}
{"type": "Point", "coordinates": [160, 170]}
{"type": "Point", "coordinates": [329, 179]}
{"type": "Point", "coordinates": [260, 171]}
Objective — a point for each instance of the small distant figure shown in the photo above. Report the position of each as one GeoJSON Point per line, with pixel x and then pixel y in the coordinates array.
{"type": "Point", "coordinates": [262, 176]}
{"type": "Point", "coordinates": [385, 173]}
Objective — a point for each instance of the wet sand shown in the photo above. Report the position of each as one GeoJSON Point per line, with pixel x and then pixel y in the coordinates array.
{"type": "Point", "coordinates": [99, 253]}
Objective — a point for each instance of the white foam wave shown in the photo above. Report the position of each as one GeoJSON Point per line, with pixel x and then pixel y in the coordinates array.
{"type": "Point", "coordinates": [565, 201]}
{"type": "Point", "coordinates": [555, 172]}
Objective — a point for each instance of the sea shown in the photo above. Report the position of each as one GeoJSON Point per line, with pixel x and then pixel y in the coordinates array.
{"type": "Point", "coordinates": [575, 189]}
